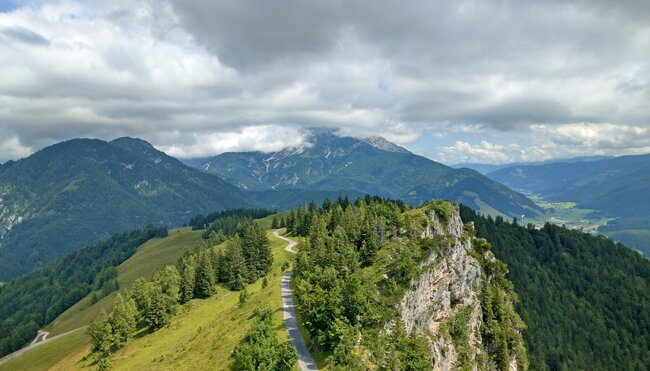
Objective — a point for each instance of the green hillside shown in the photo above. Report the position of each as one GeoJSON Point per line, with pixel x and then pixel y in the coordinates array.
{"type": "Point", "coordinates": [77, 192]}
{"type": "Point", "coordinates": [202, 336]}
{"type": "Point", "coordinates": [149, 257]}
{"type": "Point", "coordinates": [34, 300]}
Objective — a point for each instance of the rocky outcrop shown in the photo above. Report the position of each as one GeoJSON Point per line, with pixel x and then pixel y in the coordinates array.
{"type": "Point", "coordinates": [444, 304]}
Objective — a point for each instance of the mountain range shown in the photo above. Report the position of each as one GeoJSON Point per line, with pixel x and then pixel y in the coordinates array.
{"type": "Point", "coordinates": [617, 187]}
{"type": "Point", "coordinates": [77, 192]}
{"type": "Point", "coordinates": [328, 162]}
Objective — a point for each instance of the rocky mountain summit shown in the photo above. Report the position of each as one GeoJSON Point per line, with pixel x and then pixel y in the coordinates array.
{"type": "Point", "coordinates": [452, 303]}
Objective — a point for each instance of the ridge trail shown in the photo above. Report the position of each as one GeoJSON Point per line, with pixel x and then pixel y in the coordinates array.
{"type": "Point", "coordinates": [305, 360]}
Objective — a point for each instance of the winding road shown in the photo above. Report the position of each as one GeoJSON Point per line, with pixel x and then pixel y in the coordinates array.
{"type": "Point", "coordinates": [41, 338]}
{"type": "Point", "coordinates": [305, 360]}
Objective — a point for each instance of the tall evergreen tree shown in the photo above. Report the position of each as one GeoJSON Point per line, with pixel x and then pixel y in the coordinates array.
{"type": "Point", "coordinates": [236, 270]}
{"type": "Point", "coordinates": [188, 278]}
{"type": "Point", "coordinates": [274, 223]}
{"type": "Point", "coordinates": [204, 286]}
{"type": "Point", "coordinates": [291, 221]}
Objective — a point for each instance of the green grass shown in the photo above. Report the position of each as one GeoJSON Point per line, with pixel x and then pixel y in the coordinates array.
{"type": "Point", "coordinates": [151, 256]}
{"type": "Point", "coordinates": [266, 222]}
{"type": "Point", "coordinates": [202, 335]}
{"type": "Point", "coordinates": [46, 356]}
{"type": "Point", "coordinates": [566, 213]}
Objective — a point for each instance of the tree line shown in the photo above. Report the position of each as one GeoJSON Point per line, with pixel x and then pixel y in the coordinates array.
{"type": "Point", "coordinates": [201, 221]}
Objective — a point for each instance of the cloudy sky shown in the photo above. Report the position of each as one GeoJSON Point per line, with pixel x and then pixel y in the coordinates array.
{"type": "Point", "coordinates": [456, 81]}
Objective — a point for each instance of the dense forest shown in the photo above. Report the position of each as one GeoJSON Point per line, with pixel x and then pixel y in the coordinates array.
{"type": "Point", "coordinates": [354, 268]}
{"type": "Point", "coordinates": [31, 301]}
{"type": "Point", "coordinates": [585, 298]}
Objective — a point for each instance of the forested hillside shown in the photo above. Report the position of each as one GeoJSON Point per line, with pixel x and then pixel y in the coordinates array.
{"type": "Point", "coordinates": [34, 300]}
{"type": "Point", "coordinates": [366, 293]}
{"type": "Point", "coordinates": [77, 192]}
{"type": "Point", "coordinates": [585, 299]}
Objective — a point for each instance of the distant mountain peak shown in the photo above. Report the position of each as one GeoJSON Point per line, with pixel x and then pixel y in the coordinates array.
{"type": "Point", "coordinates": [322, 136]}
{"type": "Point", "coordinates": [386, 145]}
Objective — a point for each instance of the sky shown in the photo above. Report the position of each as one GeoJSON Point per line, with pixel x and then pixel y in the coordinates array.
{"type": "Point", "coordinates": [456, 81]}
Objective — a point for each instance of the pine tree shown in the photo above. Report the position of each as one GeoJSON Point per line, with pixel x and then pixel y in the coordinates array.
{"type": "Point", "coordinates": [204, 286]}
{"type": "Point", "coordinates": [188, 278]}
{"type": "Point", "coordinates": [235, 266]}
{"type": "Point", "coordinates": [274, 223]}
{"type": "Point", "coordinates": [283, 223]}
{"type": "Point", "coordinates": [291, 222]}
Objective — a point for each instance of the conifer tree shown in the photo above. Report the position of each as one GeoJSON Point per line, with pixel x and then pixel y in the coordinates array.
{"type": "Point", "coordinates": [274, 223]}
{"type": "Point", "coordinates": [291, 221]}
{"type": "Point", "coordinates": [188, 278]}
{"type": "Point", "coordinates": [283, 223]}
{"type": "Point", "coordinates": [235, 266]}
{"type": "Point", "coordinates": [204, 286]}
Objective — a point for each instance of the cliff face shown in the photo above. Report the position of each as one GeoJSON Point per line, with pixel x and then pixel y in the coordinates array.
{"type": "Point", "coordinates": [445, 303]}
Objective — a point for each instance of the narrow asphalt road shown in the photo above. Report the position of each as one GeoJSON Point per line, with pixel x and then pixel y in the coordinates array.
{"type": "Point", "coordinates": [305, 360]}
{"type": "Point", "coordinates": [42, 335]}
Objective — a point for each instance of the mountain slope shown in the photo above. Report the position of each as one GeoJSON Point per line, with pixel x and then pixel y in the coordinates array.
{"type": "Point", "coordinates": [618, 188]}
{"type": "Point", "coordinates": [77, 192]}
{"type": "Point", "coordinates": [585, 299]}
{"type": "Point", "coordinates": [333, 163]}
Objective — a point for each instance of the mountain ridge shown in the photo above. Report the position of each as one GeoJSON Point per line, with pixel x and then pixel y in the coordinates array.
{"type": "Point", "coordinates": [76, 192]}
{"type": "Point", "coordinates": [330, 162]}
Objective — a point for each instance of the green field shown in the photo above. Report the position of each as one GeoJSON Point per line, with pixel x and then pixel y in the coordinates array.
{"type": "Point", "coordinates": [201, 336]}
{"type": "Point", "coordinates": [568, 214]}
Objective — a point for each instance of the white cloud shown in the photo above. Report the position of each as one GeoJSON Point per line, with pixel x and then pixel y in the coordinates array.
{"type": "Point", "coordinates": [264, 138]}
{"type": "Point", "coordinates": [199, 77]}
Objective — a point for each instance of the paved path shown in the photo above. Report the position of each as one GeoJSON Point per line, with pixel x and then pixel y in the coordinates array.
{"type": "Point", "coordinates": [305, 360]}
{"type": "Point", "coordinates": [42, 335]}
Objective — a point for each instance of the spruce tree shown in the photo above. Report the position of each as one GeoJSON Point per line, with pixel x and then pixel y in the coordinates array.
{"type": "Point", "coordinates": [188, 278]}
{"type": "Point", "coordinates": [274, 223]}
{"type": "Point", "coordinates": [291, 222]}
{"type": "Point", "coordinates": [236, 267]}
{"type": "Point", "coordinates": [204, 286]}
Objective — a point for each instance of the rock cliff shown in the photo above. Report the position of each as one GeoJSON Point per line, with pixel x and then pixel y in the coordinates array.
{"type": "Point", "coordinates": [445, 303]}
